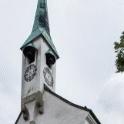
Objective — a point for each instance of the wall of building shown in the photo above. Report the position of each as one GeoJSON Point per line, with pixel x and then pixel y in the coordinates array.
{"type": "Point", "coordinates": [56, 111]}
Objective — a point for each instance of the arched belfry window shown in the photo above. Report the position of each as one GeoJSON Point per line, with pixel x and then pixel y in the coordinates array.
{"type": "Point", "coordinates": [50, 59]}
{"type": "Point", "coordinates": [30, 53]}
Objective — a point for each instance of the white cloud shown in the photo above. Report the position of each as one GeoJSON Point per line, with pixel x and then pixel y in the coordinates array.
{"type": "Point", "coordinates": [111, 103]}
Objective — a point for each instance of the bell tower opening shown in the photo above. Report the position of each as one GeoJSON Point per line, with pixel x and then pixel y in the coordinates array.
{"type": "Point", "coordinates": [50, 59]}
{"type": "Point", "coordinates": [30, 53]}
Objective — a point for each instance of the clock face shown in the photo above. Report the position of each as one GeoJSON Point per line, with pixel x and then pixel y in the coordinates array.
{"type": "Point", "coordinates": [48, 76]}
{"type": "Point", "coordinates": [30, 72]}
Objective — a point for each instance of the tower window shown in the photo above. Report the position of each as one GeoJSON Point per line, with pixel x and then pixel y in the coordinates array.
{"type": "Point", "coordinates": [30, 52]}
{"type": "Point", "coordinates": [50, 59]}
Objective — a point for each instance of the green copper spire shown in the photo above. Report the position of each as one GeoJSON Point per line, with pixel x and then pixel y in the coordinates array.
{"type": "Point", "coordinates": [41, 27]}
{"type": "Point", "coordinates": [41, 17]}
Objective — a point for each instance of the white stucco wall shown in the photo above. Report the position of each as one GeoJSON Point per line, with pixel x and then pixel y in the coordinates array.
{"type": "Point", "coordinates": [35, 85]}
{"type": "Point", "coordinates": [56, 111]}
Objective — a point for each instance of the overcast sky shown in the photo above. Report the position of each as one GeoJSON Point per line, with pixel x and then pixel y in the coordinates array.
{"type": "Point", "coordinates": [83, 32]}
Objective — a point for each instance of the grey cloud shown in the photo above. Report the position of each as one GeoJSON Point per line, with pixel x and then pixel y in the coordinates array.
{"type": "Point", "coordinates": [83, 32]}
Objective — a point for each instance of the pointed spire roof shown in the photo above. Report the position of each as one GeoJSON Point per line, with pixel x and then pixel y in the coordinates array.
{"type": "Point", "coordinates": [41, 27]}
{"type": "Point", "coordinates": [41, 17]}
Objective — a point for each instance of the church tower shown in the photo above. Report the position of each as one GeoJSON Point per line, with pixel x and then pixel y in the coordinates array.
{"type": "Point", "coordinates": [39, 57]}
{"type": "Point", "coordinates": [39, 102]}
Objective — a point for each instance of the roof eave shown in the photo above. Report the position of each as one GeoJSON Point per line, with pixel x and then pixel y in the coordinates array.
{"type": "Point", "coordinates": [41, 32]}
{"type": "Point", "coordinates": [72, 104]}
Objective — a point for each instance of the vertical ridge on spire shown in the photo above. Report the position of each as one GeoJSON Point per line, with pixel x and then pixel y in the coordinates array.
{"type": "Point", "coordinates": [41, 17]}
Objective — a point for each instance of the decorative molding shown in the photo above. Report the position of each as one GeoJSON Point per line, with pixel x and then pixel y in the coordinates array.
{"type": "Point", "coordinates": [25, 113]}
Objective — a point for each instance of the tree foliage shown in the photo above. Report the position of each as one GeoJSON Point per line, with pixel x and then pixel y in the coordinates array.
{"type": "Point", "coordinates": [119, 50]}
